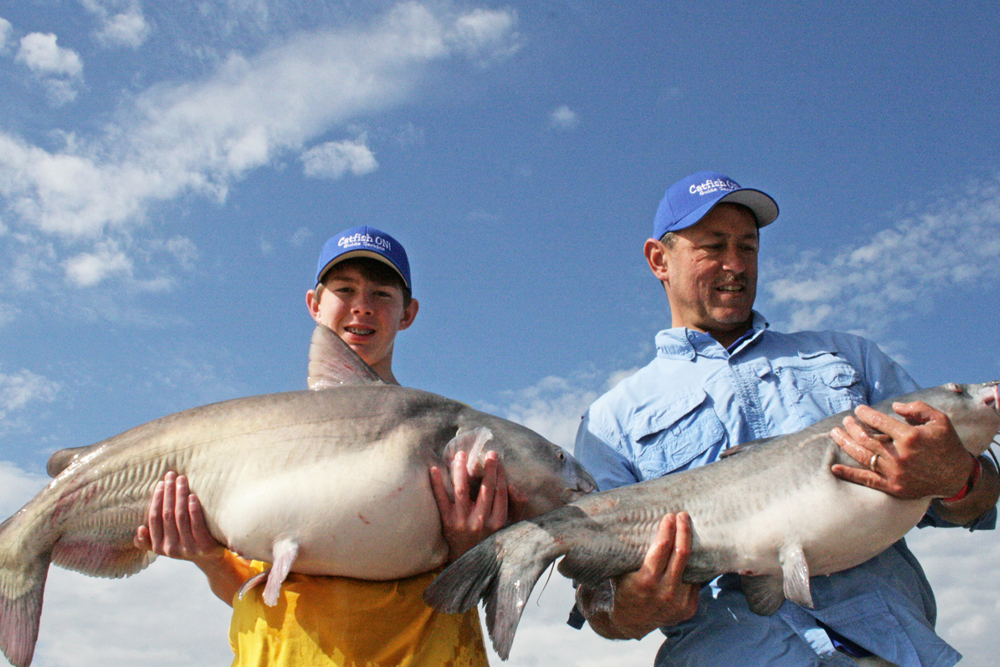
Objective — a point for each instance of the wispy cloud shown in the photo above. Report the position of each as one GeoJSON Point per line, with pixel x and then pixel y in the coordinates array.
{"type": "Point", "coordinates": [5, 32]}
{"type": "Point", "coordinates": [202, 136]}
{"type": "Point", "coordinates": [336, 158]}
{"type": "Point", "coordinates": [900, 271]}
{"type": "Point", "coordinates": [122, 23]}
{"type": "Point", "coordinates": [563, 118]}
{"type": "Point", "coordinates": [22, 387]}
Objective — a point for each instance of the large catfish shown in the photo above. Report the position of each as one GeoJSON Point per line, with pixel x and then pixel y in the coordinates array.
{"type": "Point", "coordinates": [330, 481]}
{"type": "Point", "coordinates": [773, 512]}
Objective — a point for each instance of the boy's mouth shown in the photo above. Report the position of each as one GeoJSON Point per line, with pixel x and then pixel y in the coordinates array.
{"type": "Point", "coordinates": [359, 331]}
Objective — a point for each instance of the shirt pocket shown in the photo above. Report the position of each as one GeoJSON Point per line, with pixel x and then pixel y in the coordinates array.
{"type": "Point", "coordinates": [673, 431]}
{"type": "Point", "coordinates": [821, 383]}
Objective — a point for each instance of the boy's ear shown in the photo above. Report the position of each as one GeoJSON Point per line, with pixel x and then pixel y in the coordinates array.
{"type": "Point", "coordinates": [409, 314]}
{"type": "Point", "coordinates": [312, 303]}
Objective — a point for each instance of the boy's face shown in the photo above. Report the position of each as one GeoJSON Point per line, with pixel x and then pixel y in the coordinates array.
{"type": "Point", "coordinates": [364, 313]}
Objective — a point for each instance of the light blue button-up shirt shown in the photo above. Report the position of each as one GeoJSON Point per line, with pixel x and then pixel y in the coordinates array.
{"type": "Point", "coordinates": [696, 399]}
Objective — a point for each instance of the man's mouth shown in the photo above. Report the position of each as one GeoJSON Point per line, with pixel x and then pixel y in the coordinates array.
{"type": "Point", "coordinates": [731, 288]}
{"type": "Point", "coordinates": [359, 331]}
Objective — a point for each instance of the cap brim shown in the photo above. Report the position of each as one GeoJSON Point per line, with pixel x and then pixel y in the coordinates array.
{"type": "Point", "coordinates": [764, 208]}
{"type": "Point", "coordinates": [360, 253]}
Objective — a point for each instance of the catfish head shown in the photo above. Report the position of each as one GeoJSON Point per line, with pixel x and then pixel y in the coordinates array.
{"type": "Point", "coordinates": [541, 475]}
{"type": "Point", "coordinates": [973, 409]}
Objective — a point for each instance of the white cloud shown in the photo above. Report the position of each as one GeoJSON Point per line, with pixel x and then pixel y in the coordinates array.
{"type": "Point", "coordinates": [200, 137]}
{"type": "Point", "coordinates": [40, 53]}
{"type": "Point", "coordinates": [5, 31]}
{"type": "Point", "coordinates": [23, 387]}
{"type": "Point", "coordinates": [335, 158]}
{"type": "Point", "coordinates": [486, 33]}
{"type": "Point", "coordinates": [90, 268]}
{"type": "Point", "coordinates": [563, 118]}
{"type": "Point", "coordinates": [896, 273]}
{"type": "Point", "coordinates": [121, 22]}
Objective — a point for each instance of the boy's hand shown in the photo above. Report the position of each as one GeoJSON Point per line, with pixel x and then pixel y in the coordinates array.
{"type": "Point", "coordinates": [464, 521]}
{"type": "Point", "coordinates": [176, 526]}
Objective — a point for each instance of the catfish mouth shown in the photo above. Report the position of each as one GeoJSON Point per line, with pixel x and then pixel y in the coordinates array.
{"type": "Point", "coordinates": [585, 484]}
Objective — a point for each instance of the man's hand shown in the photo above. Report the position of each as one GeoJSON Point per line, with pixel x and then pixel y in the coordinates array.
{"type": "Point", "coordinates": [654, 596]}
{"type": "Point", "coordinates": [464, 521]}
{"type": "Point", "coordinates": [922, 457]}
{"type": "Point", "coordinates": [176, 526]}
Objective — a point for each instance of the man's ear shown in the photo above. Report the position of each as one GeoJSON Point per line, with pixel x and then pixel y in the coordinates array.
{"type": "Point", "coordinates": [409, 314]}
{"type": "Point", "coordinates": [657, 254]}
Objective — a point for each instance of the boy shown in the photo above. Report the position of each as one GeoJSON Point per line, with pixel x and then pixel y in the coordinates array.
{"type": "Point", "coordinates": [362, 293]}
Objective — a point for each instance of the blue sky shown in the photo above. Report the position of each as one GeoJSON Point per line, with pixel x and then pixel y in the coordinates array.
{"type": "Point", "coordinates": [169, 172]}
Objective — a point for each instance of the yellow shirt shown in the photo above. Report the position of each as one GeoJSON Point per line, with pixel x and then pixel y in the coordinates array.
{"type": "Point", "coordinates": [341, 622]}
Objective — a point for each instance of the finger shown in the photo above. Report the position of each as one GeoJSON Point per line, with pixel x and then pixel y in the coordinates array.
{"type": "Point", "coordinates": [460, 482]}
{"type": "Point", "coordinates": [182, 516]}
{"type": "Point", "coordinates": [154, 520]}
{"type": "Point", "coordinates": [440, 493]}
{"type": "Point", "coordinates": [863, 433]}
{"type": "Point", "coordinates": [141, 540]}
{"type": "Point", "coordinates": [170, 539]}
{"type": "Point", "coordinates": [861, 454]}
{"type": "Point", "coordinates": [199, 526]}
{"type": "Point", "coordinates": [891, 426]}
{"type": "Point", "coordinates": [498, 519]}
{"type": "Point", "coordinates": [859, 476]}
{"type": "Point", "coordinates": [917, 412]}
{"type": "Point", "coordinates": [658, 554]}
{"type": "Point", "coordinates": [487, 487]}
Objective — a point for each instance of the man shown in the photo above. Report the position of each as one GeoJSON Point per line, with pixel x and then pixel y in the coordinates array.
{"type": "Point", "coordinates": [722, 377]}
{"type": "Point", "coordinates": [362, 293]}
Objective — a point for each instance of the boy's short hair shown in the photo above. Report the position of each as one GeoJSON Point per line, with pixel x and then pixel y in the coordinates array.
{"type": "Point", "coordinates": [370, 269]}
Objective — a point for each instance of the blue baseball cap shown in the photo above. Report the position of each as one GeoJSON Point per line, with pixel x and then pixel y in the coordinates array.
{"type": "Point", "coordinates": [368, 242]}
{"type": "Point", "coordinates": [689, 199]}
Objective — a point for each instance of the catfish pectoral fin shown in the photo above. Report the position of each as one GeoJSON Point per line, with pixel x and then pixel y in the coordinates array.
{"type": "Point", "coordinates": [795, 571]}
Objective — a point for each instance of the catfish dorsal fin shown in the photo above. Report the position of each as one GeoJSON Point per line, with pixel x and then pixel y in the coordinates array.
{"type": "Point", "coordinates": [332, 363]}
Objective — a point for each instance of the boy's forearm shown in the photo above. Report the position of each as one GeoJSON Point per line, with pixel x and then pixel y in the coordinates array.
{"type": "Point", "coordinates": [225, 572]}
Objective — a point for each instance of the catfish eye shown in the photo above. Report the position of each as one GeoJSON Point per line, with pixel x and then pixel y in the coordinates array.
{"type": "Point", "coordinates": [561, 455]}
{"type": "Point", "coordinates": [953, 387]}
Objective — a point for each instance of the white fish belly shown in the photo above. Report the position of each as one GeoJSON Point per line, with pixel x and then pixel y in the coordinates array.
{"type": "Point", "coordinates": [368, 514]}
{"type": "Point", "coordinates": [836, 524]}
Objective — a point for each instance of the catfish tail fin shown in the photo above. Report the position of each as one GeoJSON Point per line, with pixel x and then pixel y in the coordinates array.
{"type": "Point", "coordinates": [22, 583]}
{"type": "Point", "coordinates": [501, 571]}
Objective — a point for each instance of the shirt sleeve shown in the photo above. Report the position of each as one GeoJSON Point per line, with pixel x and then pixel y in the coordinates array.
{"type": "Point", "coordinates": [886, 378]}
{"type": "Point", "coordinates": [609, 468]}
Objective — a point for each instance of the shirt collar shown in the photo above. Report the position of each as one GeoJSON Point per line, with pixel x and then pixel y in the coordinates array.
{"type": "Point", "coordinates": [684, 343]}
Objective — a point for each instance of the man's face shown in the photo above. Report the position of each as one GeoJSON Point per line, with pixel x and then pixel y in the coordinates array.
{"type": "Point", "coordinates": [364, 313]}
{"type": "Point", "coordinates": [710, 272]}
